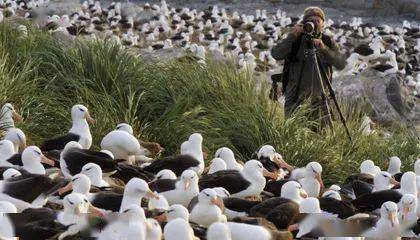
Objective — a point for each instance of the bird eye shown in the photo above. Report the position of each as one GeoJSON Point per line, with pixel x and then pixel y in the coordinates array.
{"type": "Point", "coordinates": [89, 169]}
{"type": "Point", "coordinates": [384, 175]}
{"type": "Point", "coordinates": [85, 200]}
{"type": "Point", "coordinates": [82, 110]}
{"type": "Point", "coordinates": [74, 179]}
{"type": "Point", "coordinates": [192, 177]}
{"type": "Point", "coordinates": [37, 152]}
{"type": "Point", "coordinates": [68, 200]}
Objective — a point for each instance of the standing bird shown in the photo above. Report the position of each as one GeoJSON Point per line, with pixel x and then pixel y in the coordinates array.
{"type": "Point", "coordinates": [123, 144]}
{"type": "Point", "coordinates": [79, 132]}
{"type": "Point", "coordinates": [178, 191]}
{"type": "Point", "coordinates": [191, 158]}
{"type": "Point", "coordinates": [312, 182]}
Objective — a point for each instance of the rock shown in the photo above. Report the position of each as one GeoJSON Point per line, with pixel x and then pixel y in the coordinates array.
{"type": "Point", "coordinates": [387, 97]}
{"type": "Point", "coordinates": [161, 55]}
{"type": "Point", "coordinates": [62, 7]}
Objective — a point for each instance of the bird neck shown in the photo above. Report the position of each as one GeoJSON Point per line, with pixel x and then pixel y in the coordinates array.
{"type": "Point", "coordinates": [80, 126]}
{"type": "Point", "coordinates": [129, 199]}
{"type": "Point", "coordinates": [34, 168]}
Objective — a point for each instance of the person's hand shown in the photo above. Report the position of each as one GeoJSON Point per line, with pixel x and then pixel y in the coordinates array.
{"type": "Point", "coordinates": [319, 44]}
{"type": "Point", "coordinates": [297, 30]}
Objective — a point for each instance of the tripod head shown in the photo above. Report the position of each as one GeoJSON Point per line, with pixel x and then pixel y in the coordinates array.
{"type": "Point", "coordinates": [309, 40]}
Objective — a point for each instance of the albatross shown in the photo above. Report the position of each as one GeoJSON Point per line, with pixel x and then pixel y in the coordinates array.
{"type": "Point", "coordinates": [178, 191]}
{"type": "Point", "coordinates": [74, 157]}
{"type": "Point", "coordinates": [249, 182]}
{"type": "Point", "coordinates": [207, 210]}
{"type": "Point", "coordinates": [79, 132]}
{"type": "Point", "coordinates": [8, 116]}
{"type": "Point", "coordinates": [123, 144]}
{"type": "Point", "coordinates": [191, 158]}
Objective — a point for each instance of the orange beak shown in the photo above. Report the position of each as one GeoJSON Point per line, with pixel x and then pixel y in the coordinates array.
{"type": "Point", "coordinates": [46, 160]}
{"type": "Point", "coordinates": [269, 174]}
{"type": "Point", "coordinates": [392, 218]}
{"type": "Point", "coordinates": [319, 179]}
{"type": "Point", "coordinates": [405, 212]}
{"type": "Point", "coordinates": [161, 218]}
{"type": "Point", "coordinates": [95, 211]}
{"type": "Point", "coordinates": [186, 184]}
{"type": "Point", "coordinates": [218, 202]}
{"type": "Point", "coordinates": [394, 182]}
{"type": "Point", "coordinates": [151, 194]}
{"type": "Point", "coordinates": [66, 188]}
{"type": "Point", "coordinates": [17, 117]}
{"type": "Point", "coordinates": [89, 118]}
{"type": "Point", "coordinates": [303, 194]}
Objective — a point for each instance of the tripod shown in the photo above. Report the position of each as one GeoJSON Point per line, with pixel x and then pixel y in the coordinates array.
{"type": "Point", "coordinates": [310, 54]}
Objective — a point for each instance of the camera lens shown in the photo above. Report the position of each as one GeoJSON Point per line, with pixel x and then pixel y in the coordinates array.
{"type": "Point", "coordinates": [309, 27]}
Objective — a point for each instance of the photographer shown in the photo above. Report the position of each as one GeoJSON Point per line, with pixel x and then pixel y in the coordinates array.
{"type": "Point", "coordinates": [301, 82]}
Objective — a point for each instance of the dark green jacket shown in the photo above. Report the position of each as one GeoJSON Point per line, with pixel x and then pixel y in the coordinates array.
{"type": "Point", "coordinates": [309, 86]}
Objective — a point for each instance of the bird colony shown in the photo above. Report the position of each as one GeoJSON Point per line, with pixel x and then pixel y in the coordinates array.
{"type": "Point", "coordinates": [63, 189]}
{"type": "Point", "coordinates": [247, 39]}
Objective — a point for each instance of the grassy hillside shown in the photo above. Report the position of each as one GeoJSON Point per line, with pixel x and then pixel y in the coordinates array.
{"type": "Point", "coordinates": [166, 102]}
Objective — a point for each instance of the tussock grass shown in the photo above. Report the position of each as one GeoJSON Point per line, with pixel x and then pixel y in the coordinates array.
{"type": "Point", "coordinates": [165, 102]}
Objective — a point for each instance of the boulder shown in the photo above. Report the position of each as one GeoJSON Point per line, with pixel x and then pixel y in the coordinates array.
{"type": "Point", "coordinates": [161, 55]}
{"type": "Point", "coordinates": [389, 99]}
{"type": "Point", "coordinates": [61, 7]}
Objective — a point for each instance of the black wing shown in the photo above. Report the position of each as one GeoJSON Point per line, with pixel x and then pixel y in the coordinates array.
{"type": "Point", "coordinates": [53, 155]}
{"type": "Point", "coordinates": [125, 172]}
{"type": "Point", "coordinates": [284, 215]}
{"type": "Point", "coordinates": [262, 209]}
{"type": "Point", "coordinates": [239, 205]}
{"type": "Point", "coordinates": [60, 142]}
{"type": "Point", "coordinates": [342, 208]}
{"type": "Point", "coordinates": [192, 203]}
{"type": "Point", "coordinates": [163, 185]}
{"type": "Point", "coordinates": [16, 159]}
{"type": "Point", "coordinates": [274, 187]}
{"type": "Point", "coordinates": [76, 158]}
{"type": "Point", "coordinates": [108, 201]}
{"type": "Point", "coordinates": [36, 224]}
{"type": "Point", "coordinates": [360, 188]}
{"type": "Point", "coordinates": [39, 184]}
{"type": "Point", "coordinates": [363, 49]}
{"type": "Point", "coordinates": [177, 164]}
{"type": "Point", "coordinates": [231, 180]}
{"type": "Point", "coordinates": [372, 201]}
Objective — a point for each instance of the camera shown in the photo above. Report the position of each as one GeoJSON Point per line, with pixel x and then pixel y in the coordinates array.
{"type": "Point", "coordinates": [309, 28]}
